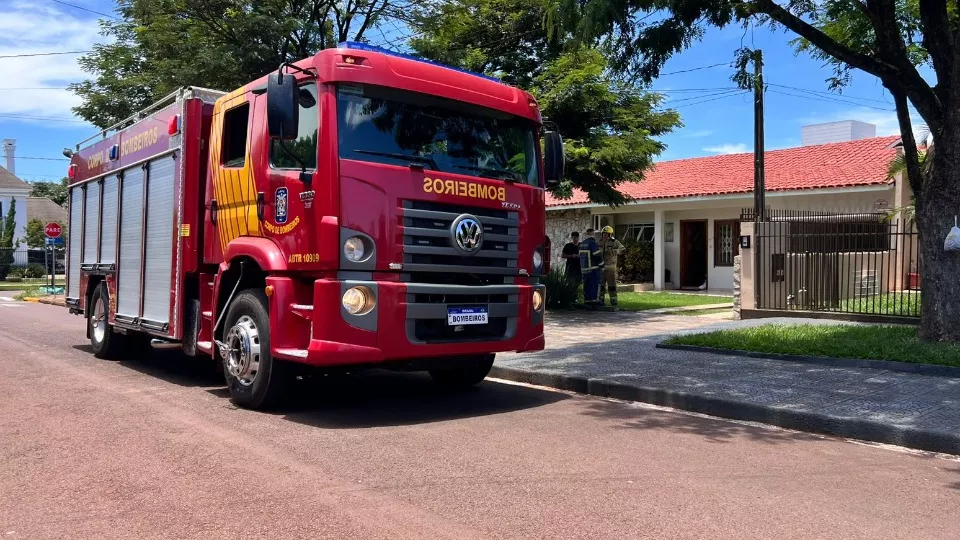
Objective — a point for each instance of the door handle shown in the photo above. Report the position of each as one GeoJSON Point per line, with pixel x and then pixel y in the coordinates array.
{"type": "Point", "coordinates": [213, 211]}
{"type": "Point", "coordinates": [261, 204]}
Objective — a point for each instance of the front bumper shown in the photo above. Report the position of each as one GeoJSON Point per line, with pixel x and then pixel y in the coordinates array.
{"type": "Point", "coordinates": [409, 322]}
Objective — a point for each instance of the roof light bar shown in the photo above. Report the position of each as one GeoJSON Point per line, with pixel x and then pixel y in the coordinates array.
{"type": "Point", "coordinates": [365, 47]}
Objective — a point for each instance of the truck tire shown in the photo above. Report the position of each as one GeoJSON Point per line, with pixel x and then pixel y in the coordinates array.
{"type": "Point", "coordinates": [254, 379]}
{"type": "Point", "coordinates": [105, 343]}
{"type": "Point", "coordinates": [466, 373]}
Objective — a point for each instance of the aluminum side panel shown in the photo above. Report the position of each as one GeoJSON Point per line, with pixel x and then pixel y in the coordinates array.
{"type": "Point", "coordinates": [73, 259]}
{"type": "Point", "coordinates": [131, 226]}
{"type": "Point", "coordinates": [161, 197]}
{"type": "Point", "coordinates": [108, 237]}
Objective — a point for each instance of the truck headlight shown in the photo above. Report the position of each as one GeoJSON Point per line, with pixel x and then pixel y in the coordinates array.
{"type": "Point", "coordinates": [537, 300]}
{"type": "Point", "coordinates": [359, 300]}
{"type": "Point", "coordinates": [353, 249]}
{"type": "Point", "coordinates": [537, 260]}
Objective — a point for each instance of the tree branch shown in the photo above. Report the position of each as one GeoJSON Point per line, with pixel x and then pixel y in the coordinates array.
{"type": "Point", "coordinates": [910, 153]}
{"type": "Point", "coordinates": [915, 87]}
{"type": "Point", "coordinates": [937, 37]}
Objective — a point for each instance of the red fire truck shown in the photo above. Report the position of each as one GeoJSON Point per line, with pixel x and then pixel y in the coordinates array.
{"type": "Point", "coordinates": [356, 208]}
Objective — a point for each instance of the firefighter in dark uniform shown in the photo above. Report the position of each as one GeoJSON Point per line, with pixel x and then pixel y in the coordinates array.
{"type": "Point", "coordinates": [591, 263]}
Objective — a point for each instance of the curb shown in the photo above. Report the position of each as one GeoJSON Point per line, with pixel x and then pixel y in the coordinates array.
{"type": "Point", "coordinates": [31, 299]}
{"type": "Point", "coordinates": [866, 430]}
{"type": "Point", "coordinates": [51, 302]}
{"type": "Point", "coordinates": [886, 365]}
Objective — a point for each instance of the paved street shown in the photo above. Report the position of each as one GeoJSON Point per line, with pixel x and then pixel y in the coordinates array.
{"type": "Point", "coordinates": [921, 411]}
{"type": "Point", "coordinates": [153, 449]}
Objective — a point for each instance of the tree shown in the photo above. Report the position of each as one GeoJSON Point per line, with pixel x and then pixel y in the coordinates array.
{"type": "Point", "coordinates": [608, 123]}
{"type": "Point", "coordinates": [56, 192]}
{"type": "Point", "coordinates": [35, 237]}
{"type": "Point", "coordinates": [157, 46]}
{"type": "Point", "coordinates": [8, 230]}
{"type": "Point", "coordinates": [885, 38]}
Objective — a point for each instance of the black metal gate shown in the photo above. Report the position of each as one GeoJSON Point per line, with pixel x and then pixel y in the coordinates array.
{"type": "Point", "coordinates": [859, 264]}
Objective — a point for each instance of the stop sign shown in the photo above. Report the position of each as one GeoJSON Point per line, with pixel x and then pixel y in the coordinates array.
{"type": "Point", "coordinates": [52, 230]}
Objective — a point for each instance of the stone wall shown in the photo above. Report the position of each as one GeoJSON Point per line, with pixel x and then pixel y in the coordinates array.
{"type": "Point", "coordinates": [560, 223]}
{"type": "Point", "coordinates": [736, 286]}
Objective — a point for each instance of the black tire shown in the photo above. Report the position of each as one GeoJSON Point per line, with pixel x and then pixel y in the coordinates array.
{"type": "Point", "coordinates": [466, 373]}
{"type": "Point", "coordinates": [264, 387]}
{"type": "Point", "coordinates": [105, 343]}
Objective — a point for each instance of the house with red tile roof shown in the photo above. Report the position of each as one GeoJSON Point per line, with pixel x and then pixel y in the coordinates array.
{"type": "Point", "coordinates": [690, 208]}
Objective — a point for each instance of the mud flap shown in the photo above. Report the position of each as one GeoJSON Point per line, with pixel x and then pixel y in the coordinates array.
{"type": "Point", "coordinates": [191, 328]}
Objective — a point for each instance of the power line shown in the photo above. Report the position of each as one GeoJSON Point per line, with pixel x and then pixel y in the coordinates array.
{"type": "Point", "coordinates": [712, 99]}
{"type": "Point", "coordinates": [42, 54]}
{"type": "Point", "coordinates": [828, 100]}
{"type": "Point", "coordinates": [716, 94]}
{"type": "Point", "coordinates": [694, 69]}
{"type": "Point", "coordinates": [85, 9]}
{"type": "Point", "coordinates": [827, 94]}
{"type": "Point", "coordinates": [42, 158]}
{"type": "Point", "coordinates": [48, 118]}
{"type": "Point", "coordinates": [33, 88]}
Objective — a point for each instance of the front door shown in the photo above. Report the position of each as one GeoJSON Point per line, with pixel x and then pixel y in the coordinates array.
{"type": "Point", "coordinates": [693, 254]}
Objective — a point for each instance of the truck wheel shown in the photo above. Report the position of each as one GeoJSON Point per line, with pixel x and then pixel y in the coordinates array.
{"type": "Point", "coordinates": [105, 343]}
{"type": "Point", "coordinates": [255, 381]}
{"type": "Point", "coordinates": [465, 374]}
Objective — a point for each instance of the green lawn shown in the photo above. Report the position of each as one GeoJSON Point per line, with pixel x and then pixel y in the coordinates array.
{"type": "Point", "coordinates": [26, 284]}
{"type": "Point", "coordinates": [896, 343]}
{"type": "Point", "coordinates": [656, 300]}
{"type": "Point", "coordinates": [905, 304]}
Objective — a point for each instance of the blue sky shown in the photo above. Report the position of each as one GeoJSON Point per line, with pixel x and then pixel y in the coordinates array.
{"type": "Point", "coordinates": [713, 122]}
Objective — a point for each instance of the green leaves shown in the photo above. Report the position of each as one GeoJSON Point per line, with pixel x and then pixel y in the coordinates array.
{"type": "Point", "coordinates": [160, 45]}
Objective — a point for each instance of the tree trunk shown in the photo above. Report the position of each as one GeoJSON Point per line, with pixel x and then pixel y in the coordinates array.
{"type": "Point", "coordinates": [936, 210]}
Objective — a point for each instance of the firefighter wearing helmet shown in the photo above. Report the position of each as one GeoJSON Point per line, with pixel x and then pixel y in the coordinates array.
{"type": "Point", "coordinates": [610, 249]}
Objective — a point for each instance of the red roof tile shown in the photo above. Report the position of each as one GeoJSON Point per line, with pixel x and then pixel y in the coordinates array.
{"type": "Point", "coordinates": [847, 164]}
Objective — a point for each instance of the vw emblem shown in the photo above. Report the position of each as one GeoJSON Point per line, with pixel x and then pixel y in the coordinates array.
{"type": "Point", "coordinates": [467, 234]}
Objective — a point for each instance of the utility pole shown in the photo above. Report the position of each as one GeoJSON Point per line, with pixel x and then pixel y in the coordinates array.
{"type": "Point", "coordinates": [759, 182]}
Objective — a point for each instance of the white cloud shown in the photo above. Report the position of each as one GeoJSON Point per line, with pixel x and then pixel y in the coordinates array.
{"type": "Point", "coordinates": [32, 28]}
{"type": "Point", "coordinates": [699, 134]}
{"type": "Point", "coordinates": [728, 148]}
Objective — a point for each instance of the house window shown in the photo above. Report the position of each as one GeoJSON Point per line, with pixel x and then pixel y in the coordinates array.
{"type": "Point", "coordinates": [235, 136]}
{"type": "Point", "coordinates": [843, 236]}
{"type": "Point", "coordinates": [726, 237]}
{"type": "Point", "coordinates": [636, 231]}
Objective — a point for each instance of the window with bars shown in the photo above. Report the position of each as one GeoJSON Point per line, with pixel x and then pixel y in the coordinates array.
{"type": "Point", "coordinates": [726, 238]}
{"type": "Point", "coordinates": [636, 231]}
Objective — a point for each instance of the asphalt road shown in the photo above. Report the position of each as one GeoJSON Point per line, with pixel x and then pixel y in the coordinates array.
{"type": "Point", "coordinates": [154, 449]}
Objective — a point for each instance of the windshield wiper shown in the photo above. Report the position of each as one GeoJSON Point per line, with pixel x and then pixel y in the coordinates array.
{"type": "Point", "coordinates": [493, 172]}
{"type": "Point", "coordinates": [397, 155]}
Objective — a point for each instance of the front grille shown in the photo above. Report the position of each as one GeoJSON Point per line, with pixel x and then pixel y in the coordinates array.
{"type": "Point", "coordinates": [428, 244]}
{"type": "Point", "coordinates": [437, 331]}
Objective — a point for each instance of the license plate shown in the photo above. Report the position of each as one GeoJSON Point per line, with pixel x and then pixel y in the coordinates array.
{"type": "Point", "coordinates": [459, 316]}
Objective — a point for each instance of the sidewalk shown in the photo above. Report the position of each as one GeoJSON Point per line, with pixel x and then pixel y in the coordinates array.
{"type": "Point", "coordinates": [615, 356]}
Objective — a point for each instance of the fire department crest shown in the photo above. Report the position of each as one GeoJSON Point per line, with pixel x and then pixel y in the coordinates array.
{"type": "Point", "coordinates": [281, 206]}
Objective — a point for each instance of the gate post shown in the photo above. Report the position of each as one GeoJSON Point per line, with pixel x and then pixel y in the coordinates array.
{"type": "Point", "coordinates": [744, 271]}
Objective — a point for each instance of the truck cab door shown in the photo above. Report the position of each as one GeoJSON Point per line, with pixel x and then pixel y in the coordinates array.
{"type": "Point", "coordinates": [231, 209]}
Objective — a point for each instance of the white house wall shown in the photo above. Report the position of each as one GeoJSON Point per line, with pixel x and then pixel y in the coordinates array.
{"type": "Point", "coordinates": [560, 223]}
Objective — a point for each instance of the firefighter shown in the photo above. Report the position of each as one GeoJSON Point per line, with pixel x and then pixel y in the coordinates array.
{"type": "Point", "coordinates": [590, 265]}
{"type": "Point", "coordinates": [611, 249]}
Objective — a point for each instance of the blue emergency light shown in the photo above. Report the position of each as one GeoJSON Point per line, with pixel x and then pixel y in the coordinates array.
{"type": "Point", "coordinates": [115, 152]}
{"type": "Point", "coordinates": [357, 46]}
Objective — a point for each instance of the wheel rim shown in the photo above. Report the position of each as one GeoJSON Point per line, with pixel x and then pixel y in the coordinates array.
{"type": "Point", "coordinates": [99, 320]}
{"type": "Point", "coordinates": [242, 352]}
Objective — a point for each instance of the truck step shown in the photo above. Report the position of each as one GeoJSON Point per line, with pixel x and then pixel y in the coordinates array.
{"type": "Point", "coordinates": [207, 314]}
{"type": "Point", "coordinates": [205, 346]}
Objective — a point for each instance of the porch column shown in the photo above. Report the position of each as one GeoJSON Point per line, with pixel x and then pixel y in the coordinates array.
{"type": "Point", "coordinates": [659, 262]}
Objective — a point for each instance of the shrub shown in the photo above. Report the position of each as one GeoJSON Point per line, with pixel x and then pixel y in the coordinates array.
{"type": "Point", "coordinates": [34, 271]}
{"type": "Point", "coordinates": [562, 293]}
{"type": "Point", "coordinates": [17, 272]}
{"type": "Point", "coordinates": [636, 263]}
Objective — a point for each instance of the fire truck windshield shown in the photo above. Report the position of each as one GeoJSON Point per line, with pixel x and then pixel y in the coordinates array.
{"type": "Point", "coordinates": [386, 125]}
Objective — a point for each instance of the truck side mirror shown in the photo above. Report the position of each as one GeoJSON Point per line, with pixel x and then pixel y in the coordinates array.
{"type": "Point", "coordinates": [553, 158]}
{"type": "Point", "coordinates": [282, 107]}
